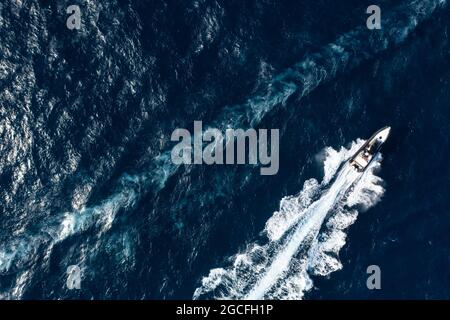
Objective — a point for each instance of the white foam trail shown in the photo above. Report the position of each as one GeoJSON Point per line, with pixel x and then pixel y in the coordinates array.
{"type": "Point", "coordinates": [311, 222]}
{"type": "Point", "coordinates": [344, 54]}
{"type": "Point", "coordinates": [19, 250]}
{"type": "Point", "coordinates": [293, 208]}
{"type": "Point", "coordinates": [304, 236]}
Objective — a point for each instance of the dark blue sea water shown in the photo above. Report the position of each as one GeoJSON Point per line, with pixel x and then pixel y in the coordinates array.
{"type": "Point", "coordinates": [86, 178]}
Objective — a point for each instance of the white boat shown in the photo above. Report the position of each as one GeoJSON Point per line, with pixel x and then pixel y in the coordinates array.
{"type": "Point", "coordinates": [361, 159]}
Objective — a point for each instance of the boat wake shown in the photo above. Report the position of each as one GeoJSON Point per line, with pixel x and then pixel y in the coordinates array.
{"type": "Point", "coordinates": [303, 238]}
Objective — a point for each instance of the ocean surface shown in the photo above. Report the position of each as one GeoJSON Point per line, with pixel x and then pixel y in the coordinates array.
{"type": "Point", "coordinates": [86, 178]}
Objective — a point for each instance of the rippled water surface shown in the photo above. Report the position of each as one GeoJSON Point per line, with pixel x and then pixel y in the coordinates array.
{"type": "Point", "coordinates": [86, 177]}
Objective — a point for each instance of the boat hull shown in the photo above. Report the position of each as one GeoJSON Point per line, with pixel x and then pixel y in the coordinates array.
{"type": "Point", "coordinates": [362, 158]}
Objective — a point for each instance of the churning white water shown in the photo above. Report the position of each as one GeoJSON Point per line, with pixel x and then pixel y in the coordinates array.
{"type": "Point", "coordinates": [304, 236]}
